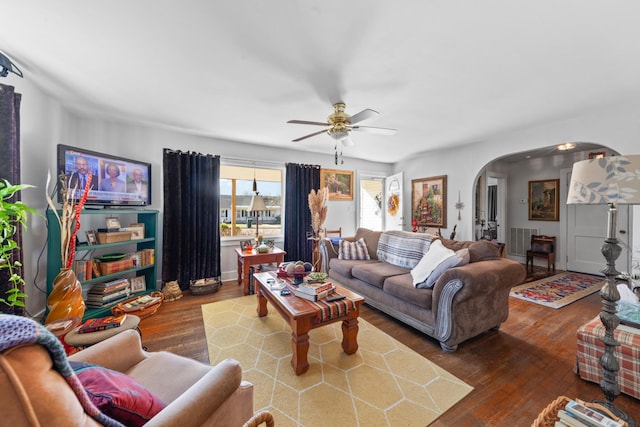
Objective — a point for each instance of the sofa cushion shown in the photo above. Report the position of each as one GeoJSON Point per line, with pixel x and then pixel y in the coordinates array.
{"type": "Point", "coordinates": [344, 266]}
{"type": "Point", "coordinates": [482, 250]}
{"type": "Point", "coordinates": [376, 273]}
{"type": "Point", "coordinates": [459, 258]}
{"type": "Point", "coordinates": [353, 250]}
{"type": "Point", "coordinates": [117, 395]}
{"type": "Point", "coordinates": [436, 255]}
{"type": "Point", "coordinates": [371, 238]}
{"type": "Point", "coordinates": [403, 248]}
{"type": "Point", "coordinates": [401, 287]}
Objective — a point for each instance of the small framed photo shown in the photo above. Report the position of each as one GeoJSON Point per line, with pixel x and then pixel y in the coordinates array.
{"type": "Point", "coordinates": [271, 244]}
{"type": "Point", "coordinates": [138, 284]}
{"type": "Point", "coordinates": [246, 245]}
{"type": "Point", "coordinates": [137, 231]}
{"type": "Point", "coordinates": [112, 222]}
{"type": "Point", "coordinates": [91, 237]}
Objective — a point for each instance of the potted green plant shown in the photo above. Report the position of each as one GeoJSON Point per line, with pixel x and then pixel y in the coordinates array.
{"type": "Point", "coordinates": [13, 214]}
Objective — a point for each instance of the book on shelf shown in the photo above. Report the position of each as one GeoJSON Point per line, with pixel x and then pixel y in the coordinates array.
{"type": "Point", "coordinates": [95, 269]}
{"type": "Point", "coordinates": [315, 288]}
{"type": "Point", "coordinates": [105, 303]}
{"type": "Point", "coordinates": [102, 323]}
{"type": "Point", "coordinates": [108, 296]}
{"type": "Point", "coordinates": [111, 286]}
{"type": "Point", "coordinates": [314, 297]}
{"type": "Point", "coordinates": [83, 269]}
{"type": "Point", "coordinates": [590, 417]}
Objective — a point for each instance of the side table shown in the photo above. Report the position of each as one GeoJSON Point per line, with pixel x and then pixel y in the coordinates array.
{"type": "Point", "coordinates": [80, 341]}
{"type": "Point", "coordinates": [248, 258]}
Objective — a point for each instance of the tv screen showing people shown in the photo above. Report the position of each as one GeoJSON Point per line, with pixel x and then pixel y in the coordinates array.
{"type": "Point", "coordinates": [115, 180]}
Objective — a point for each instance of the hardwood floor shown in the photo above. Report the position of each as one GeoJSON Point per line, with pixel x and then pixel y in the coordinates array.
{"type": "Point", "coordinates": [516, 371]}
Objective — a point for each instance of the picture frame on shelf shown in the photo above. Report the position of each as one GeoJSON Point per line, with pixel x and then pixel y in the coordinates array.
{"type": "Point", "coordinates": [112, 222]}
{"type": "Point", "coordinates": [91, 237]}
{"type": "Point", "coordinates": [429, 201]}
{"type": "Point", "coordinates": [137, 231]}
{"type": "Point", "coordinates": [339, 183]}
{"type": "Point", "coordinates": [138, 284]}
{"type": "Point", "coordinates": [544, 203]}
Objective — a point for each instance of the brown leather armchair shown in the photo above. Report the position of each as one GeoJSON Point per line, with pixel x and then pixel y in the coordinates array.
{"type": "Point", "coordinates": [34, 393]}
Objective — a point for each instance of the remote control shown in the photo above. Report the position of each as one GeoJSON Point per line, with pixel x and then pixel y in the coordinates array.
{"type": "Point", "coordinates": [335, 298]}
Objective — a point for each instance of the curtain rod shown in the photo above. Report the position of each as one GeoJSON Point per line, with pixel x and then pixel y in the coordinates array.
{"type": "Point", "coordinates": [252, 162]}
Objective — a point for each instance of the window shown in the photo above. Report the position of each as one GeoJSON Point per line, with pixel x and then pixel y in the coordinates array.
{"type": "Point", "coordinates": [236, 191]}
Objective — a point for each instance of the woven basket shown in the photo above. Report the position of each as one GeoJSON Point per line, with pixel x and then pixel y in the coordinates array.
{"type": "Point", "coordinates": [549, 415]}
{"type": "Point", "coordinates": [142, 312]}
{"type": "Point", "coordinates": [204, 286]}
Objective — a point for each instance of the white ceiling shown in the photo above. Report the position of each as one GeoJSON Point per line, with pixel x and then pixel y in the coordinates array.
{"type": "Point", "coordinates": [444, 73]}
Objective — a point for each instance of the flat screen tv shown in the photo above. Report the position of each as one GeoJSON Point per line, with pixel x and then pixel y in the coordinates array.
{"type": "Point", "coordinates": [117, 181]}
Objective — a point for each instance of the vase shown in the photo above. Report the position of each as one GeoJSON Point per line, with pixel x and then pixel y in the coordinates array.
{"type": "Point", "coordinates": [65, 301]}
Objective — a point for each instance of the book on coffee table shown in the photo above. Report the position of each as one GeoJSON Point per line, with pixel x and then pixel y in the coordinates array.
{"type": "Point", "coordinates": [315, 296]}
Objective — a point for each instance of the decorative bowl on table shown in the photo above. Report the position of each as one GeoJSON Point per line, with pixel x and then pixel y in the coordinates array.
{"type": "Point", "coordinates": [298, 276]}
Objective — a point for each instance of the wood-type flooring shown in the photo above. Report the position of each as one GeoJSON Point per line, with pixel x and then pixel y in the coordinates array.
{"type": "Point", "coordinates": [516, 371]}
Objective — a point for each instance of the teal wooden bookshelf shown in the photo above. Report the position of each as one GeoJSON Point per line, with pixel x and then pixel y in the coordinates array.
{"type": "Point", "coordinates": [147, 217]}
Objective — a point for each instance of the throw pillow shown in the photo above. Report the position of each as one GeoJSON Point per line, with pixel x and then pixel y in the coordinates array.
{"type": "Point", "coordinates": [117, 395]}
{"type": "Point", "coordinates": [461, 257]}
{"type": "Point", "coordinates": [353, 250]}
{"type": "Point", "coordinates": [403, 248]}
{"type": "Point", "coordinates": [436, 254]}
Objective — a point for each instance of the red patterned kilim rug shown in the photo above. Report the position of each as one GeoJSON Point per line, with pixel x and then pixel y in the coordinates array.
{"type": "Point", "coordinates": [559, 290]}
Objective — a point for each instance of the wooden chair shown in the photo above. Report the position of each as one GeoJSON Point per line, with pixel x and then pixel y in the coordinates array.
{"type": "Point", "coordinates": [333, 233]}
{"type": "Point", "coordinates": [542, 247]}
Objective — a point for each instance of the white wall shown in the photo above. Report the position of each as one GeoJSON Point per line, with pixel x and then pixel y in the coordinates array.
{"type": "Point", "coordinates": [45, 123]}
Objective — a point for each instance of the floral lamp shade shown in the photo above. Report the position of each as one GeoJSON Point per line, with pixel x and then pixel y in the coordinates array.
{"type": "Point", "coordinates": [606, 180]}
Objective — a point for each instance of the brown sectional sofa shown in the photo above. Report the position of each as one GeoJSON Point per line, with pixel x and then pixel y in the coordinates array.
{"type": "Point", "coordinates": [464, 302]}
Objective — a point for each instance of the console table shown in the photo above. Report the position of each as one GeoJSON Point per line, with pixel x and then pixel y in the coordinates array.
{"type": "Point", "coordinates": [248, 258]}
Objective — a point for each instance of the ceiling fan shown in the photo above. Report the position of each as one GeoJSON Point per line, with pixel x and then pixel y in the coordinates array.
{"type": "Point", "coordinates": [339, 124]}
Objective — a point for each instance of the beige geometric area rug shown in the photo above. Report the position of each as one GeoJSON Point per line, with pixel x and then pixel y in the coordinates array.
{"type": "Point", "coordinates": [559, 290]}
{"type": "Point", "coordinates": [384, 383]}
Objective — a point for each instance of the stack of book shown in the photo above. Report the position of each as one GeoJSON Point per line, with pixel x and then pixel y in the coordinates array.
{"type": "Point", "coordinates": [576, 414]}
{"type": "Point", "coordinates": [102, 323]}
{"type": "Point", "coordinates": [314, 291]}
{"type": "Point", "coordinates": [108, 293]}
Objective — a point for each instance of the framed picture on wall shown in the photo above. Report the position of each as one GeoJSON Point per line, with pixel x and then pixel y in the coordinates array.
{"type": "Point", "coordinates": [544, 200]}
{"type": "Point", "coordinates": [429, 201]}
{"type": "Point", "coordinates": [339, 183]}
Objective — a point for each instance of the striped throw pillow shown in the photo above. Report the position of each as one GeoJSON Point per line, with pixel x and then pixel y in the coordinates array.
{"type": "Point", "coordinates": [353, 250]}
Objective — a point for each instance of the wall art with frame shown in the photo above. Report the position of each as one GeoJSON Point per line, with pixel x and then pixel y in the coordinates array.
{"type": "Point", "coordinates": [338, 182]}
{"type": "Point", "coordinates": [544, 197]}
{"type": "Point", "coordinates": [138, 284]}
{"type": "Point", "coordinates": [429, 201]}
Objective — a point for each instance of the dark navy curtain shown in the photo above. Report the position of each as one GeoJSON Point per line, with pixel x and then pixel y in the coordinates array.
{"type": "Point", "coordinates": [10, 170]}
{"type": "Point", "coordinates": [191, 232]}
{"type": "Point", "coordinates": [492, 195]}
{"type": "Point", "coordinates": [300, 180]}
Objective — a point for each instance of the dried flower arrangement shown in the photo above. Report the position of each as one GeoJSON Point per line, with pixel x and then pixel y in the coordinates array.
{"type": "Point", "coordinates": [69, 218]}
{"type": "Point", "coordinates": [318, 208]}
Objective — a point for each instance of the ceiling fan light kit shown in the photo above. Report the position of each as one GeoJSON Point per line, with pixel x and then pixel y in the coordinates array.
{"type": "Point", "coordinates": [339, 125]}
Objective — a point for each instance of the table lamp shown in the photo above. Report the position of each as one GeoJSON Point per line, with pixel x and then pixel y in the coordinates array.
{"type": "Point", "coordinates": [257, 205]}
{"type": "Point", "coordinates": [608, 181]}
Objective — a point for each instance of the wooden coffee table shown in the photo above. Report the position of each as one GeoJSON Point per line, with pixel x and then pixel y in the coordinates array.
{"type": "Point", "coordinates": [303, 316]}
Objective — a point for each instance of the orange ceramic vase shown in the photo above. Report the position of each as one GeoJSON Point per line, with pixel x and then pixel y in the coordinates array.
{"type": "Point", "coordinates": [65, 301]}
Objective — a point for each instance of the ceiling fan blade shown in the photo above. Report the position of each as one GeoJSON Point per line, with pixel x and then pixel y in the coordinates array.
{"type": "Point", "coordinates": [308, 136]}
{"type": "Point", "coordinates": [363, 115]}
{"type": "Point", "coordinates": [370, 129]}
{"type": "Point", "coordinates": [306, 122]}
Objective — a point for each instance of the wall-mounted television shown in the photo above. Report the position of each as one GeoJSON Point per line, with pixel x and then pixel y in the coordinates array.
{"type": "Point", "coordinates": [117, 181]}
